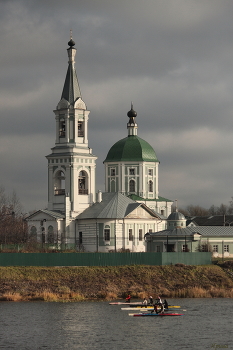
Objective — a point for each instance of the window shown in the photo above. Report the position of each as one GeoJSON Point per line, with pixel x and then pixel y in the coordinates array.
{"type": "Point", "coordinates": [158, 249]}
{"type": "Point", "coordinates": [140, 234]}
{"type": "Point", "coordinates": [162, 212]}
{"type": "Point", "coordinates": [107, 234]}
{"type": "Point", "coordinates": [131, 171]}
{"type": "Point", "coordinates": [150, 172]}
{"type": "Point", "coordinates": [150, 230]}
{"type": "Point", "coordinates": [33, 233]}
{"type": "Point", "coordinates": [50, 235]}
{"type": "Point", "coordinates": [113, 172]}
{"type": "Point", "coordinates": [130, 234]}
{"type": "Point", "coordinates": [59, 183]}
{"type": "Point", "coordinates": [80, 238]}
{"type": "Point", "coordinates": [215, 248]}
{"type": "Point", "coordinates": [62, 128]}
{"type": "Point", "coordinates": [132, 186]}
{"type": "Point", "coordinates": [82, 183]}
{"type": "Point", "coordinates": [150, 186]}
{"type": "Point", "coordinates": [80, 129]}
{"type": "Point", "coordinates": [184, 248]}
{"type": "Point", "coordinates": [226, 248]}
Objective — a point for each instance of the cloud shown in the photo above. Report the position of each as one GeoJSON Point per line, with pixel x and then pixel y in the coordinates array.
{"type": "Point", "coordinates": [172, 59]}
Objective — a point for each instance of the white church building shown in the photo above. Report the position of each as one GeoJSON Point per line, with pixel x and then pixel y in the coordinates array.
{"type": "Point", "coordinates": [78, 217]}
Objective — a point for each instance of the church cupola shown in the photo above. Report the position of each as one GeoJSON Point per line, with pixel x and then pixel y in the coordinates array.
{"type": "Point", "coordinates": [132, 125]}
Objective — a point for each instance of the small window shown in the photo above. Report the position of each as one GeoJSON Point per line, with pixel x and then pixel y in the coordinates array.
{"type": "Point", "coordinates": [158, 249]}
{"type": "Point", "coordinates": [150, 172]}
{"type": "Point", "coordinates": [50, 235]}
{"type": "Point", "coordinates": [80, 129]}
{"type": "Point", "coordinates": [162, 212]}
{"type": "Point", "coordinates": [113, 172]}
{"type": "Point", "coordinates": [131, 171]}
{"type": "Point", "coordinates": [150, 186]}
{"type": "Point", "coordinates": [215, 248]}
{"type": "Point", "coordinates": [184, 248]}
{"type": "Point", "coordinates": [150, 230]}
{"type": "Point", "coordinates": [226, 248]}
{"type": "Point", "coordinates": [132, 186]}
{"type": "Point", "coordinates": [140, 234]}
{"type": "Point", "coordinates": [62, 129]}
{"type": "Point", "coordinates": [80, 238]}
{"type": "Point", "coordinates": [130, 234]}
{"type": "Point", "coordinates": [107, 234]}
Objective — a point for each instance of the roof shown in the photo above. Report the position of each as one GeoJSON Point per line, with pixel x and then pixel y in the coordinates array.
{"type": "Point", "coordinates": [159, 199]}
{"type": "Point", "coordinates": [206, 231]}
{"type": "Point", "coordinates": [114, 205]}
{"type": "Point", "coordinates": [54, 214]}
{"type": "Point", "coordinates": [176, 215]}
{"type": "Point", "coordinates": [71, 91]}
{"type": "Point", "coordinates": [211, 220]}
{"type": "Point", "coordinates": [131, 148]}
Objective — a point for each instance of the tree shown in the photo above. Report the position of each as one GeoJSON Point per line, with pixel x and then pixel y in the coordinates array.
{"type": "Point", "coordinates": [13, 228]}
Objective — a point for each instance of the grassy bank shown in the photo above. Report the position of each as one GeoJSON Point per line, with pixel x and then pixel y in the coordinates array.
{"type": "Point", "coordinates": [93, 283]}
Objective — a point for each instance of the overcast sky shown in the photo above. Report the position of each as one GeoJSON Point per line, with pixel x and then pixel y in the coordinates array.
{"type": "Point", "coordinates": [172, 58]}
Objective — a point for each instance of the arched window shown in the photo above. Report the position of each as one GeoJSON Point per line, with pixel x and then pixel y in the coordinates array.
{"type": "Point", "coordinates": [113, 186]}
{"type": "Point", "coordinates": [50, 235]}
{"type": "Point", "coordinates": [107, 233]}
{"type": "Point", "coordinates": [62, 128]}
{"type": "Point", "coordinates": [82, 183]}
{"type": "Point", "coordinates": [59, 183]}
{"type": "Point", "coordinates": [33, 233]}
{"type": "Point", "coordinates": [132, 186]}
{"type": "Point", "coordinates": [150, 186]}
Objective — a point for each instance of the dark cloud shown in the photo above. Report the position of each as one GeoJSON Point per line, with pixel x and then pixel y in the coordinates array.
{"type": "Point", "coordinates": [173, 59]}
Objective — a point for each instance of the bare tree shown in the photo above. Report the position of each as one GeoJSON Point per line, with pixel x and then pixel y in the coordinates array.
{"type": "Point", "coordinates": [13, 228]}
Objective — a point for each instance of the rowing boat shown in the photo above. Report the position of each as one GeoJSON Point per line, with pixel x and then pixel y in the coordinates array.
{"type": "Point", "coordinates": [124, 303]}
{"type": "Point", "coordinates": [154, 314]}
{"type": "Point", "coordinates": [149, 305]}
{"type": "Point", "coordinates": [149, 308]}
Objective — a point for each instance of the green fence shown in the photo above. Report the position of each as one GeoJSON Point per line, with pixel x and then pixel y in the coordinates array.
{"type": "Point", "coordinates": [103, 259]}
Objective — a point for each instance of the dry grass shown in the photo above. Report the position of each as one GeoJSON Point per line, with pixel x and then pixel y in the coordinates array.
{"type": "Point", "coordinates": [109, 283]}
{"type": "Point", "coordinates": [12, 297]}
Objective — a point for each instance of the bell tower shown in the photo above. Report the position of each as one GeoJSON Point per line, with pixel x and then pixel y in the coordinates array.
{"type": "Point", "coordinates": [71, 165]}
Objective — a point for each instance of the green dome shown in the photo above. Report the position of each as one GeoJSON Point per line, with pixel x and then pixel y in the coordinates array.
{"type": "Point", "coordinates": [131, 148]}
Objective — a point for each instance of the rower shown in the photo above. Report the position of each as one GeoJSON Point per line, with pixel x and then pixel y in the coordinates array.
{"type": "Point", "coordinates": [155, 309]}
{"type": "Point", "coordinates": [144, 302]}
{"type": "Point", "coordinates": [162, 309]}
{"type": "Point", "coordinates": [128, 298]}
{"type": "Point", "coordinates": [165, 304]}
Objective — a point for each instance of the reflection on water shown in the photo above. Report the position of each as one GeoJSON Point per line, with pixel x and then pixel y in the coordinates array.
{"type": "Point", "coordinates": [207, 323]}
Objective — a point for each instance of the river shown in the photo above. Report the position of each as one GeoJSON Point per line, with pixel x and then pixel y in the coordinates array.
{"type": "Point", "coordinates": [206, 324]}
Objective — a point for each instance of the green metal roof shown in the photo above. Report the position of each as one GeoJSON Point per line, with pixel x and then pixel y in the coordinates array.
{"type": "Point", "coordinates": [131, 148]}
{"type": "Point", "coordinates": [159, 199]}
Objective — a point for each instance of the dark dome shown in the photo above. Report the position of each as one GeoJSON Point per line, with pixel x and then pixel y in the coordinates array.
{"type": "Point", "coordinates": [71, 42]}
{"type": "Point", "coordinates": [132, 113]}
{"type": "Point", "coordinates": [176, 216]}
{"type": "Point", "coordinates": [131, 148]}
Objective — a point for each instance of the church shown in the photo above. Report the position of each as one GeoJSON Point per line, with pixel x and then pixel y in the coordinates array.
{"type": "Point", "coordinates": [80, 217]}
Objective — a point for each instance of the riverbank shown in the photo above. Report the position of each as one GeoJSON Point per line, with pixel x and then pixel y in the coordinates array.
{"type": "Point", "coordinates": [108, 283]}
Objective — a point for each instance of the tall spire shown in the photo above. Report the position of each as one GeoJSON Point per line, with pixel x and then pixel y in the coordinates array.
{"type": "Point", "coordinates": [71, 91]}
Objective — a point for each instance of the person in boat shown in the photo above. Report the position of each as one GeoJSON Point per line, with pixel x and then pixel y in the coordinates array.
{"type": "Point", "coordinates": [155, 309]}
{"type": "Point", "coordinates": [151, 300]}
{"type": "Point", "coordinates": [144, 302]}
{"type": "Point", "coordinates": [162, 309]}
{"type": "Point", "coordinates": [165, 303]}
{"type": "Point", "coordinates": [128, 298]}
{"type": "Point", "coordinates": [159, 301]}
